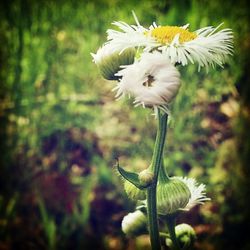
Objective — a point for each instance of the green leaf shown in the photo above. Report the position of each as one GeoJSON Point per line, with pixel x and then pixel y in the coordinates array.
{"type": "Point", "coordinates": [130, 176]}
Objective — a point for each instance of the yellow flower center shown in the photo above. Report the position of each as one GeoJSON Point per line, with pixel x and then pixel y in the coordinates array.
{"type": "Point", "coordinates": [166, 34]}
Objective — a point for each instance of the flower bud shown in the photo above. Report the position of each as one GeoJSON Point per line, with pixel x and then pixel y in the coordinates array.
{"type": "Point", "coordinates": [172, 196]}
{"type": "Point", "coordinates": [134, 224]}
{"type": "Point", "coordinates": [109, 61]}
{"type": "Point", "coordinates": [133, 192]}
{"type": "Point", "coordinates": [146, 177]}
{"type": "Point", "coordinates": [185, 235]}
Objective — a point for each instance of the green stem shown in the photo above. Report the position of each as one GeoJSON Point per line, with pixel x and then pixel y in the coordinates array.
{"type": "Point", "coordinates": [164, 235]}
{"type": "Point", "coordinates": [163, 176]}
{"type": "Point", "coordinates": [171, 229]}
{"type": "Point", "coordinates": [159, 143]}
{"type": "Point", "coordinates": [152, 218]}
{"type": "Point", "coordinates": [151, 190]}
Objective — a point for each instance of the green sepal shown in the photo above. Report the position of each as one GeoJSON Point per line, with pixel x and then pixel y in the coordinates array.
{"type": "Point", "coordinates": [131, 177]}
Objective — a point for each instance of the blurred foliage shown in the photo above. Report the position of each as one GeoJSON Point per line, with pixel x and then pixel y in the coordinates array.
{"type": "Point", "coordinates": [61, 128]}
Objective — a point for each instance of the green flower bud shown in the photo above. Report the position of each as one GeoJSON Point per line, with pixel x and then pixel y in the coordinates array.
{"type": "Point", "coordinates": [146, 177]}
{"type": "Point", "coordinates": [109, 61]}
{"type": "Point", "coordinates": [185, 235]}
{"type": "Point", "coordinates": [134, 224]}
{"type": "Point", "coordinates": [133, 192]}
{"type": "Point", "coordinates": [172, 196]}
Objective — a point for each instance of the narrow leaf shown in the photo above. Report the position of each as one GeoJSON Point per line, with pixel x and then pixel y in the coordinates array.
{"type": "Point", "coordinates": [131, 177]}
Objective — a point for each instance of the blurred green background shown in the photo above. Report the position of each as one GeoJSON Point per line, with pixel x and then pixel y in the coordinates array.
{"type": "Point", "coordinates": [61, 128]}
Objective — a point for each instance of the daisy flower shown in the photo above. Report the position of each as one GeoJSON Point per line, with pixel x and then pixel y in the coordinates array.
{"type": "Point", "coordinates": [207, 46]}
{"type": "Point", "coordinates": [152, 80]}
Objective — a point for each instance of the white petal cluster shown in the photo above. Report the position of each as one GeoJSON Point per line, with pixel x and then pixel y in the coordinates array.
{"type": "Point", "coordinates": [210, 47]}
{"type": "Point", "coordinates": [198, 192]}
{"type": "Point", "coordinates": [130, 36]}
{"type": "Point", "coordinates": [152, 81]}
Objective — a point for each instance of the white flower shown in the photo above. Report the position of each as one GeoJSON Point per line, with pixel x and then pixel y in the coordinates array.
{"type": "Point", "coordinates": [206, 46]}
{"type": "Point", "coordinates": [197, 191]}
{"type": "Point", "coordinates": [152, 80]}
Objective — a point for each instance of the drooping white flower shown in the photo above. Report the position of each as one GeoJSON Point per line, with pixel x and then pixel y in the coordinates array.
{"type": "Point", "coordinates": [197, 191]}
{"type": "Point", "coordinates": [207, 46]}
{"type": "Point", "coordinates": [152, 80]}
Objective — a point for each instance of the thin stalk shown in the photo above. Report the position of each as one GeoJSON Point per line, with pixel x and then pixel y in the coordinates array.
{"type": "Point", "coordinates": [171, 229]}
{"type": "Point", "coordinates": [152, 218]}
{"type": "Point", "coordinates": [159, 143]}
{"type": "Point", "coordinates": [151, 190]}
{"type": "Point", "coordinates": [164, 235]}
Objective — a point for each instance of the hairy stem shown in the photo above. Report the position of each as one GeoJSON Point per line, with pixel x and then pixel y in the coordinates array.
{"type": "Point", "coordinates": [151, 190]}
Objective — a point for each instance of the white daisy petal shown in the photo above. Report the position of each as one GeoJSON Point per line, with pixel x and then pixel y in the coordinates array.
{"type": "Point", "coordinates": [185, 26]}
{"type": "Point", "coordinates": [197, 191]}
{"type": "Point", "coordinates": [207, 46]}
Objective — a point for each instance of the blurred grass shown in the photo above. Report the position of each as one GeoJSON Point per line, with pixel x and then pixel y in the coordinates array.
{"type": "Point", "coordinates": [61, 128]}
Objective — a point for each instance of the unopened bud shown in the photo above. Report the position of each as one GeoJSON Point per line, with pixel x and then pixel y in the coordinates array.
{"type": "Point", "coordinates": [109, 61]}
{"type": "Point", "coordinates": [134, 224]}
{"type": "Point", "coordinates": [172, 196]}
{"type": "Point", "coordinates": [146, 177]}
{"type": "Point", "coordinates": [185, 235]}
{"type": "Point", "coordinates": [133, 192]}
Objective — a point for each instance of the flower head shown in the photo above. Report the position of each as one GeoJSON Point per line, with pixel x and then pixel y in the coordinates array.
{"type": "Point", "coordinates": [102, 53]}
{"type": "Point", "coordinates": [133, 192]}
{"type": "Point", "coordinates": [152, 80]}
{"type": "Point", "coordinates": [179, 194]}
{"type": "Point", "coordinates": [172, 196]}
{"type": "Point", "coordinates": [207, 46]}
{"type": "Point", "coordinates": [110, 60]}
